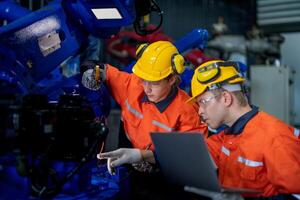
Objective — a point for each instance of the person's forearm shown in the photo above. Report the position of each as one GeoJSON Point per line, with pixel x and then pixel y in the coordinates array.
{"type": "Point", "coordinates": [148, 156]}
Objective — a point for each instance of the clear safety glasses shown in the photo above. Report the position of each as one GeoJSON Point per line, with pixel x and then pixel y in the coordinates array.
{"type": "Point", "coordinates": [204, 102]}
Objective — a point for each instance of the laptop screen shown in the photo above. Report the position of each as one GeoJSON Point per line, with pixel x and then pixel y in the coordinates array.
{"type": "Point", "coordinates": [184, 160]}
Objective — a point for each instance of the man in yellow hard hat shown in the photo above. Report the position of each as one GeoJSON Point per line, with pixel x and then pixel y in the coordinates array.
{"type": "Point", "coordinates": [150, 101]}
{"type": "Point", "coordinates": [257, 150]}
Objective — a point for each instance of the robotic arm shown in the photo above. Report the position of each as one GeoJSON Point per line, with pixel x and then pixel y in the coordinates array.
{"type": "Point", "coordinates": [38, 42]}
{"type": "Point", "coordinates": [34, 44]}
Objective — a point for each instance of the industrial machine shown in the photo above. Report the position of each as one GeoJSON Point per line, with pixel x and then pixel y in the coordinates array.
{"type": "Point", "coordinates": [258, 50]}
{"type": "Point", "coordinates": [272, 90]}
{"type": "Point", "coordinates": [51, 126]}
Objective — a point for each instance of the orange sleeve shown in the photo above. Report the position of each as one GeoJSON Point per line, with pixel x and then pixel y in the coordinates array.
{"type": "Point", "coordinates": [214, 144]}
{"type": "Point", "coordinates": [118, 83]}
{"type": "Point", "coordinates": [282, 159]}
{"type": "Point", "coordinates": [190, 121]}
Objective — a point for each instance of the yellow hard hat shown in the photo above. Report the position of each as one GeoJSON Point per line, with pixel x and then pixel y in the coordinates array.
{"type": "Point", "coordinates": [157, 60]}
{"type": "Point", "coordinates": [212, 75]}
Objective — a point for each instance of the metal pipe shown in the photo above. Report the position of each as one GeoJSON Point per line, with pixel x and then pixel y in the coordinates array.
{"type": "Point", "coordinates": [196, 38]}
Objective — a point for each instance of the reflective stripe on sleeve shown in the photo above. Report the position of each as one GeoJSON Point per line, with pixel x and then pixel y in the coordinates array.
{"type": "Point", "coordinates": [250, 163]}
{"type": "Point", "coordinates": [161, 125]}
{"type": "Point", "coordinates": [133, 111]}
{"type": "Point", "coordinates": [296, 132]}
{"type": "Point", "coordinates": [225, 151]}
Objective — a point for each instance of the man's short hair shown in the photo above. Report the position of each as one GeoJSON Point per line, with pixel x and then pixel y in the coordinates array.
{"type": "Point", "coordinates": [239, 95]}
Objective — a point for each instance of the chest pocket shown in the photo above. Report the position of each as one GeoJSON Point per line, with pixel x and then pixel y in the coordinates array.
{"type": "Point", "coordinates": [131, 115]}
{"type": "Point", "coordinates": [250, 170]}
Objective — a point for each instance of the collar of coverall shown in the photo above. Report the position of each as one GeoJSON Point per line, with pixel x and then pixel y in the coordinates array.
{"type": "Point", "coordinates": [238, 126]}
{"type": "Point", "coordinates": [162, 105]}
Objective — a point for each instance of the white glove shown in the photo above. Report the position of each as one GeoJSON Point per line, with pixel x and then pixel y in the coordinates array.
{"type": "Point", "coordinates": [89, 80]}
{"type": "Point", "coordinates": [214, 195]}
{"type": "Point", "coordinates": [120, 157]}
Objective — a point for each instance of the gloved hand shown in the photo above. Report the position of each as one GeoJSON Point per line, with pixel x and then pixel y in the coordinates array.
{"type": "Point", "coordinates": [92, 74]}
{"type": "Point", "coordinates": [121, 156]}
{"type": "Point", "coordinates": [214, 195]}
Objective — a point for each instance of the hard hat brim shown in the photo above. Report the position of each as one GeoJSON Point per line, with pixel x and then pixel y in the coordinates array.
{"type": "Point", "coordinates": [146, 76]}
{"type": "Point", "coordinates": [193, 98]}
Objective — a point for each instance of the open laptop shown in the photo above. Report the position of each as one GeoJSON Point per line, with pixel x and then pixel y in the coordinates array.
{"type": "Point", "coordinates": [184, 160]}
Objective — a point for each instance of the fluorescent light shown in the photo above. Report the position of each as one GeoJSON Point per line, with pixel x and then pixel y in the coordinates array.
{"type": "Point", "coordinates": [106, 13]}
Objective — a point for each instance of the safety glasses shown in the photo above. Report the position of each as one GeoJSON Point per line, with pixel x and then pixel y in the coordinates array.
{"type": "Point", "coordinates": [154, 84]}
{"type": "Point", "coordinates": [204, 102]}
{"type": "Point", "coordinates": [212, 71]}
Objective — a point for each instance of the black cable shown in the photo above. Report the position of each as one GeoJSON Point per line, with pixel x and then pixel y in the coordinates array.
{"type": "Point", "coordinates": [137, 23]}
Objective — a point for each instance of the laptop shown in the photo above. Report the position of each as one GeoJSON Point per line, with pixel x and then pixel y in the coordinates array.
{"type": "Point", "coordinates": [184, 160]}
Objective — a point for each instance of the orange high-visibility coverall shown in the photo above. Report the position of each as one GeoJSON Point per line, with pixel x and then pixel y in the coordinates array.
{"type": "Point", "coordinates": [264, 156]}
{"type": "Point", "coordinates": [142, 117]}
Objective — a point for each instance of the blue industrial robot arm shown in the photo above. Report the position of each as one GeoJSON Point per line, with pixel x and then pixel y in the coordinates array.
{"type": "Point", "coordinates": [34, 44]}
